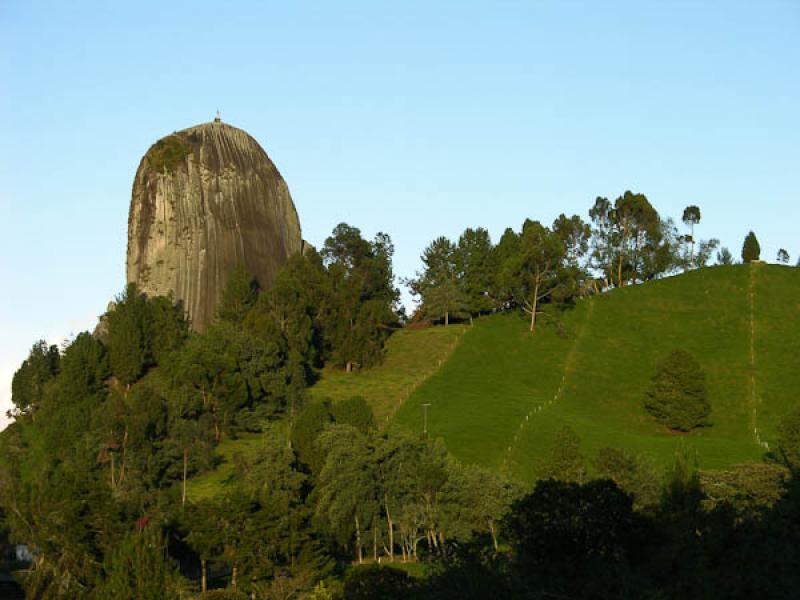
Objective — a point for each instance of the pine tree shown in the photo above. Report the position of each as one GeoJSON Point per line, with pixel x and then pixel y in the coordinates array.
{"type": "Point", "coordinates": [238, 296]}
{"type": "Point", "coordinates": [751, 250]}
{"type": "Point", "coordinates": [677, 396]}
{"type": "Point", "coordinates": [129, 353]}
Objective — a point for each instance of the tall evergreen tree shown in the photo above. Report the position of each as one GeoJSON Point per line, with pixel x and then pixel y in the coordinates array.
{"type": "Point", "coordinates": [440, 285]}
{"type": "Point", "coordinates": [476, 267]}
{"type": "Point", "coordinates": [362, 298]}
{"type": "Point", "coordinates": [30, 380]}
{"type": "Point", "coordinates": [129, 352]}
{"type": "Point", "coordinates": [238, 296]}
{"type": "Point", "coordinates": [751, 249]}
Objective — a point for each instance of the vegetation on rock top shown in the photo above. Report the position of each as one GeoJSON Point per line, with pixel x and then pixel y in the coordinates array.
{"type": "Point", "coordinates": [168, 153]}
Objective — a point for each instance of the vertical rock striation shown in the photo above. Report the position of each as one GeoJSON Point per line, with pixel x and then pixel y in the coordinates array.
{"type": "Point", "coordinates": [204, 200]}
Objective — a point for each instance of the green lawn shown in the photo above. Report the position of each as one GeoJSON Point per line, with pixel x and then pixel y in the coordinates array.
{"type": "Point", "coordinates": [593, 375]}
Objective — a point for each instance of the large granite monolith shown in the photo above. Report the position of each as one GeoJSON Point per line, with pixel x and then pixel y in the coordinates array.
{"type": "Point", "coordinates": [204, 200]}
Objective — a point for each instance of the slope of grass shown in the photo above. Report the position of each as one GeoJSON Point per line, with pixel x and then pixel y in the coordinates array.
{"type": "Point", "coordinates": [498, 395]}
{"type": "Point", "coordinates": [412, 355]}
{"type": "Point", "coordinates": [504, 394]}
{"type": "Point", "coordinates": [776, 327]}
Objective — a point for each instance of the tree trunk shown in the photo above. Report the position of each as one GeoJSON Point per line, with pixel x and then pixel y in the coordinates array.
{"type": "Point", "coordinates": [446, 318]}
{"type": "Point", "coordinates": [623, 243]}
{"type": "Point", "coordinates": [233, 579]}
{"type": "Point", "coordinates": [185, 469]}
{"type": "Point", "coordinates": [203, 578]}
{"type": "Point", "coordinates": [359, 556]}
{"type": "Point", "coordinates": [494, 534]}
{"type": "Point", "coordinates": [534, 304]}
{"type": "Point", "coordinates": [374, 543]}
{"type": "Point", "coordinates": [390, 525]}
{"type": "Point", "coordinates": [124, 447]}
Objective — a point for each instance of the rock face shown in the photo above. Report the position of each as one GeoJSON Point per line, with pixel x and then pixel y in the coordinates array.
{"type": "Point", "coordinates": [205, 200]}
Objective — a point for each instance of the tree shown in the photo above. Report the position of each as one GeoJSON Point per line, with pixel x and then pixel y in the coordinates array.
{"type": "Point", "coordinates": [354, 412]}
{"type": "Point", "coordinates": [309, 423]}
{"type": "Point", "coordinates": [535, 272]}
{"type": "Point", "coordinates": [630, 242]}
{"type": "Point", "coordinates": [603, 251]}
{"type": "Point", "coordinates": [566, 462]}
{"type": "Point", "coordinates": [677, 396]}
{"type": "Point", "coordinates": [238, 296]}
{"type": "Point", "coordinates": [290, 314]}
{"type": "Point", "coordinates": [502, 288]}
{"type": "Point", "coordinates": [704, 251]}
{"type": "Point", "coordinates": [788, 439]}
{"type": "Point", "coordinates": [751, 250]}
{"type": "Point", "coordinates": [638, 233]}
{"type": "Point", "coordinates": [691, 217]}
{"type": "Point", "coordinates": [633, 474]}
{"type": "Point", "coordinates": [477, 269]}
{"type": "Point", "coordinates": [724, 256]}
{"type": "Point", "coordinates": [362, 299]}
{"type": "Point", "coordinates": [568, 537]}
{"type": "Point", "coordinates": [36, 372]}
{"type": "Point", "coordinates": [140, 567]}
{"type": "Point", "coordinates": [235, 377]}
{"type": "Point", "coordinates": [376, 581]}
{"type": "Point", "coordinates": [348, 493]}
{"type": "Point", "coordinates": [783, 256]}
{"type": "Point", "coordinates": [142, 332]}
{"type": "Point", "coordinates": [480, 499]}
{"type": "Point", "coordinates": [128, 350]}
{"type": "Point", "coordinates": [439, 285]}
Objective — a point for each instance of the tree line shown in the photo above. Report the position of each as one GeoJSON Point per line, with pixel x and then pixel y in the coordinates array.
{"type": "Point", "coordinates": [538, 267]}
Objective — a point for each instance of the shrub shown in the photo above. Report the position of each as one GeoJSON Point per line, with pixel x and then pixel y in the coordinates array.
{"type": "Point", "coordinates": [677, 396]}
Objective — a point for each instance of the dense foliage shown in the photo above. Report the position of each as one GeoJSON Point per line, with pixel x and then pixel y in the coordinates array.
{"type": "Point", "coordinates": [678, 397]}
{"type": "Point", "coordinates": [109, 429]}
{"type": "Point", "coordinates": [626, 242]}
{"type": "Point", "coordinates": [751, 249]}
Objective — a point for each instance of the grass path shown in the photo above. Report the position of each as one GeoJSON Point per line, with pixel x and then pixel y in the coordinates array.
{"type": "Point", "coordinates": [755, 400]}
{"type": "Point", "coordinates": [484, 391]}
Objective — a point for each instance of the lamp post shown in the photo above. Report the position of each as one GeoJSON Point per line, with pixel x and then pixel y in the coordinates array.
{"type": "Point", "coordinates": [425, 418]}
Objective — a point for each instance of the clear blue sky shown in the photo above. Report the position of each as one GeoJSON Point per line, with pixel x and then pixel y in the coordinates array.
{"type": "Point", "coordinates": [413, 119]}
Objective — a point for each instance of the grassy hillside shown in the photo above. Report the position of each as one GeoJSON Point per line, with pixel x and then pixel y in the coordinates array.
{"type": "Point", "coordinates": [504, 394]}
{"type": "Point", "coordinates": [499, 395]}
{"type": "Point", "coordinates": [412, 355]}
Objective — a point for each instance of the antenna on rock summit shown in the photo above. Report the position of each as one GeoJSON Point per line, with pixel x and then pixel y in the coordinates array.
{"type": "Point", "coordinates": [217, 119]}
